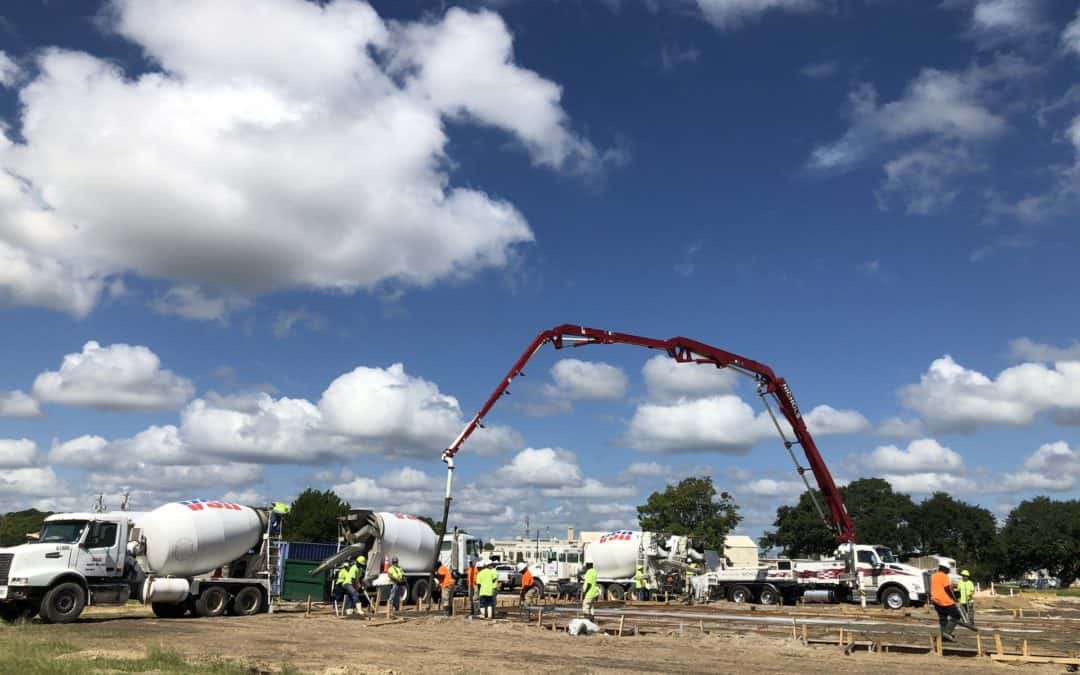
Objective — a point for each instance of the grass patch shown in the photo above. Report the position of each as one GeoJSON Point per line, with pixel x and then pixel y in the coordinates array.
{"type": "Point", "coordinates": [25, 651]}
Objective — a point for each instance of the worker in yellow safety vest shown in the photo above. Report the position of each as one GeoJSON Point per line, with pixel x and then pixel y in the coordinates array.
{"type": "Point", "coordinates": [966, 587]}
{"type": "Point", "coordinates": [590, 591]}
{"type": "Point", "coordinates": [488, 581]}
{"type": "Point", "coordinates": [345, 589]}
{"type": "Point", "coordinates": [397, 578]}
{"type": "Point", "coordinates": [639, 584]}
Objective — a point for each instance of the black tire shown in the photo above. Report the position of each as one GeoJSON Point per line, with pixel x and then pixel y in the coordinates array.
{"type": "Point", "coordinates": [740, 594]}
{"type": "Point", "coordinates": [248, 601]}
{"type": "Point", "coordinates": [769, 595]}
{"type": "Point", "coordinates": [894, 598]}
{"type": "Point", "coordinates": [63, 603]}
{"type": "Point", "coordinates": [615, 592]}
{"type": "Point", "coordinates": [213, 601]}
{"type": "Point", "coordinates": [420, 590]}
{"type": "Point", "coordinates": [168, 610]}
{"type": "Point", "coordinates": [17, 611]}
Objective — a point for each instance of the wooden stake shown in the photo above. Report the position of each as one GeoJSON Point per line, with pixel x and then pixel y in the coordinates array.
{"type": "Point", "coordinates": [1025, 649]}
{"type": "Point", "coordinates": [997, 643]}
{"type": "Point", "coordinates": [804, 633]}
{"type": "Point", "coordinates": [1021, 612]}
{"type": "Point", "coordinates": [308, 613]}
{"type": "Point", "coordinates": [978, 644]}
{"type": "Point", "coordinates": [794, 629]}
{"type": "Point", "coordinates": [540, 617]}
{"type": "Point", "coordinates": [622, 618]}
{"type": "Point", "coordinates": [701, 626]}
{"type": "Point", "coordinates": [940, 648]}
{"type": "Point", "coordinates": [840, 642]}
{"type": "Point", "coordinates": [554, 627]}
{"type": "Point", "coordinates": [388, 608]}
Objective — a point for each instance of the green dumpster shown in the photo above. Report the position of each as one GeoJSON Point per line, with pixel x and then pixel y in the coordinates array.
{"type": "Point", "coordinates": [299, 584]}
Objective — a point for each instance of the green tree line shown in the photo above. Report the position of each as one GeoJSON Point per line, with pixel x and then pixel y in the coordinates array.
{"type": "Point", "coordinates": [1038, 533]}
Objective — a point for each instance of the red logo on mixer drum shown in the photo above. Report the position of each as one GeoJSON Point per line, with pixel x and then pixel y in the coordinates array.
{"type": "Point", "coordinates": [620, 535]}
{"type": "Point", "coordinates": [200, 504]}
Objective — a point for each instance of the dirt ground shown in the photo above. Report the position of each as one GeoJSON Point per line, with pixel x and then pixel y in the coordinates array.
{"type": "Point", "coordinates": [322, 643]}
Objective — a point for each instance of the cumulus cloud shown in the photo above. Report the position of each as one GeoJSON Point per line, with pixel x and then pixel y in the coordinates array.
{"type": "Point", "coordinates": [930, 482]}
{"type": "Point", "coordinates": [767, 487]}
{"type": "Point", "coordinates": [18, 404]}
{"type": "Point", "coordinates": [9, 70]}
{"type": "Point", "coordinates": [193, 302]}
{"type": "Point", "coordinates": [1070, 37]}
{"type": "Point", "coordinates": [542, 467]}
{"type": "Point", "coordinates": [668, 381]}
{"type": "Point", "coordinates": [825, 420]}
{"type": "Point", "coordinates": [921, 456]}
{"type": "Point", "coordinates": [1053, 467]}
{"type": "Point", "coordinates": [588, 380]}
{"type": "Point", "coordinates": [284, 322]}
{"type": "Point", "coordinates": [922, 178]}
{"type": "Point", "coordinates": [732, 14]}
{"type": "Point", "coordinates": [172, 481]}
{"type": "Point", "coordinates": [116, 377]}
{"type": "Point", "coordinates": [275, 144]}
{"type": "Point", "coordinates": [29, 482]}
{"type": "Point", "coordinates": [897, 427]}
{"type": "Point", "coordinates": [996, 21]}
{"type": "Point", "coordinates": [723, 423]}
{"type": "Point", "coordinates": [1026, 349]}
{"type": "Point", "coordinates": [952, 397]}
{"type": "Point", "coordinates": [646, 470]}
{"type": "Point", "coordinates": [17, 453]}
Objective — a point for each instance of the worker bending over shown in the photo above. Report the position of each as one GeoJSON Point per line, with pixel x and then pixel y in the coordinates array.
{"type": "Point", "coordinates": [966, 589]}
{"type": "Point", "coordinates": [941, 595]}
{"type": "Point", "coordinates": [527, 581]}
{"type": "Point", "coordinates": [446, 587]}
{"type": "Point", "coordinates": [487, 580]}
{"type": "Point", "coordinates": [397, 578]}
{"type": "Point", "coordinates": [590, 591]}
{"type": "Point", "coordinates": [345, 590]}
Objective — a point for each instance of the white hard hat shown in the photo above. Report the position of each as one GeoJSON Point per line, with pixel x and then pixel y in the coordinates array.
{"type": "Point", "coordinates": [521, 566]}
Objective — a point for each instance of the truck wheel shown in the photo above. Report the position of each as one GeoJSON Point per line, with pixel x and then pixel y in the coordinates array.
{"type": "Point", "coordinates": [248, 601]}
{"type": "Point", "coordinates": [894, 598]}
{"type": "Point", "coordinates": [769, 595]}
{"type": "Point", "coordinates": [213, 601]}
{"type": "Point", "coordinates": [740, 594]}
{"type": "Point", "coordinates": [420, 590]}
{"type": "Point", "coordinates": [63, 603]}
{"type": "Point", "coordinates": [167, 610]}
{"type": "Point", "coordinates": [615, 592]}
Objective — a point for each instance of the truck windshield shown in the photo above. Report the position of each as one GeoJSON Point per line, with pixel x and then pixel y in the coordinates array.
{"type": "Point", "coordinates": [885, 554]}
{"type": "Point", "coordinates": [62, 531]}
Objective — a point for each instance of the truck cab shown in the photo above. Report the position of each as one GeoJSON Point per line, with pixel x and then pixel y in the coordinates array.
{"type": "Point", "coordinates": [79, 559]}
{"type": "Point", "coordinates": [876, 573]}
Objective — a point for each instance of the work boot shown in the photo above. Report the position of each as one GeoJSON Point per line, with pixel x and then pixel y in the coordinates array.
{"type": "Point", "coordinates": [948, 637]}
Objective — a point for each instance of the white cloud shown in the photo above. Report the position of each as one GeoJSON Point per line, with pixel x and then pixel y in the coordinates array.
{"type": "Point", "coordinates": [936, 104]}
{"type": "Point", "coordinates": [1024, 348]}
{"type": "Point", "coordinates": [541, 467]}
{"type": "Point", "coordinates": [587, 380]}
{"type": "Point", "coordinates": [673, 56]}
{"type": "Point", "coordinates": [896, 427]}
{"type": "Point", "coordinates": [116, 377]}
{"type": "Point", "coordinates": [732, 14]}
{"type": "Point", "coordinates": [922, 456]}
{"type": "Point", "coordinates": [722, 423]}
{"type": "Point", "coordinates": [257, 427]}
{"type": "Point", "coordinates": [284, 322]}
{"type": "Point", "coordinates": [921, 178]}
{"type": "Point", "coordinates": [17, 453]}
{"type": "Point", "coordinates": [646, 470]}
{"type": "Point", "coordinates": [174, 481]}
{"type": "Point", "coordinates": [997, 21]}
{"type": "Point", "coordinates": [590, 488]}
{"type": "Point", "coordinates": [9, 70]}
{"type": "Point", "coordinates": [192, 302]}
{"type": "Point", "coordinates": [819, 70]}
{"type": "Point", "coordinates": [386, 408]}
{"type": "Point", "coordinates": [951, 397]}
{"type": "Point", "coordinates": [18, 404]}
{"type": "Point", "coordinates": [160, 445]}
{"type": "Point", "coordinates": [825, 420]}
{"type": "Point", "coordinates": [282, 144]}
{"type": "Point", "coordinates": [668, 381]}
{"type": "Point", "coordinates": [926, 483]}
{"type": "Point", "coordinates": [1054, 467]}
{"type": "Point", "coordinates": [1070, 37]}
{"type": "Point", "coordinates": [767, 487]}
{"type": "Point", "coordinates": [31, 482]}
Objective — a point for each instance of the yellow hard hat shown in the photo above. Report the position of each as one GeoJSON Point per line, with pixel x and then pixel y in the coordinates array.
{"type": "Point", "coordinates": [965, 573]}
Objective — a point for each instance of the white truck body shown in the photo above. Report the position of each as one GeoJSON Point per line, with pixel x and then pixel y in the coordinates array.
{"type": "Point", "coordinates": [383, 535]}
{"type": "Point", "coordinates": [664, 559]}
{"type": "Point", "coordinates": [854, 572]}
{"type": "Point", "coordinates": [553, 562]}
{"type": "Point", "coordinates": [163, 558]}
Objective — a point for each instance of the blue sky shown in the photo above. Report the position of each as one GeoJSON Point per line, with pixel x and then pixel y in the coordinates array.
{"type": "Point", "coordinates": [242, 207]}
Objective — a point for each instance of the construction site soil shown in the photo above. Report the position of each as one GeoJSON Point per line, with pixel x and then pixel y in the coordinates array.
{"type": "Point", "coordinates": [656, 638]}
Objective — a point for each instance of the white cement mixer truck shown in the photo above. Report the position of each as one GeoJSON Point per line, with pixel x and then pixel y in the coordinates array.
{"type": "Point", "coordinates": [382, 535]}
{"type": "Point", "coordinates": [206, 557]}
{"type": "Point", "coordinates": [664, 559]}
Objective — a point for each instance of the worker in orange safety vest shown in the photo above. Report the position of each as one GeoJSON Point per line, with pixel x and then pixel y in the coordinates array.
{"type": "Point", "coordinates": [527, 581]}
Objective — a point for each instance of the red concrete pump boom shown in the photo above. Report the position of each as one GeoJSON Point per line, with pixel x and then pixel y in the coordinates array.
{"type": "Point", "coordinates": [682, 350]}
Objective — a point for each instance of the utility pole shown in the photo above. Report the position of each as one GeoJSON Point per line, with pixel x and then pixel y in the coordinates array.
{"type": "Point", "coordinates": [526, 527]}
